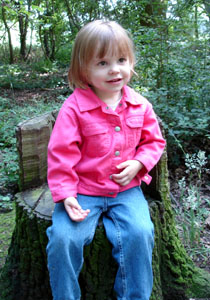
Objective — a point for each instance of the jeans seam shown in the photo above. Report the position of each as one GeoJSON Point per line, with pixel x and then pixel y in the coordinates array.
{"type": "Point", "coordinates": [92, 233]}
{"type": "Point", "coordinates": [121, 256]}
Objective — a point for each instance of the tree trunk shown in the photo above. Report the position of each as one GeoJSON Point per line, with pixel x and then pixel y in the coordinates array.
{"type": "Point", "coordinates": [154, 13]}
{"type": "Point", "coordinates": [72, 17]}
{"type": "Point", "coordinates": [23, 26]}
{"type": "Point", "coordinates": [196, 23]}
{"type": "Point", "coordinates": [11, 54]}
{"type": "Point", "coordinates": [25, 274]}
{"type": "Point", "coordinates": [23, 20]}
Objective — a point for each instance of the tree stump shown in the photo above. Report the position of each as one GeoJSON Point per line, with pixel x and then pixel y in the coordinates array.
{"type": "Point", "coordinates": [25, 274]}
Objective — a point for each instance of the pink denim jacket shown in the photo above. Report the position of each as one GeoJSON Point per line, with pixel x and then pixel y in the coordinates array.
{"type": "Point", "coordinates": [89, 140]}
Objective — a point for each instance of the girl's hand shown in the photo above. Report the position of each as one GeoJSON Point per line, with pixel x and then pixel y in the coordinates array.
{"type": "Point", "coordinates": [131, 168]}
{"type": "Point", "coordinates": [74, 210]}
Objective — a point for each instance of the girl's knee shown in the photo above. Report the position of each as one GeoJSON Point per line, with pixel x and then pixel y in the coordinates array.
{"type": "Point", "coordinates": [57, 238]}
{"type": "Point", "coordinates": [141, 232]}
{"type": "Point", "coordinates": [61, 238]}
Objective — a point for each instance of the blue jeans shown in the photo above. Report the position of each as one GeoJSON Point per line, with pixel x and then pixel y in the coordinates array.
{"type": "Point", "coordinates": [129, 229]}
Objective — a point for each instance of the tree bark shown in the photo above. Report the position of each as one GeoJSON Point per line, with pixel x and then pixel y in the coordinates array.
{"type": "Point", "coordinates": [25, 274]}
{"type": "Point", "coordinates": [11, 54]}
{"type": "Point", "coordinates": [23, 20]}
{"type": "Point", "coordinates": [73, 20]}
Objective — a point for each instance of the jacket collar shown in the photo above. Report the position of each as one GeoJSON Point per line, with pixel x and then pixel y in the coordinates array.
{"type": "Point", "coordinates": [132, 97]}
{"type": "Point", "coordinates": [87, 99]}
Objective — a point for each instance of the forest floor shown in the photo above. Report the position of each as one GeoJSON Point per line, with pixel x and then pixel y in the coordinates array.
{"type": "Point", "coordinates": [201, 258]}
{"type": "Point", "coordinates": [200, 248]}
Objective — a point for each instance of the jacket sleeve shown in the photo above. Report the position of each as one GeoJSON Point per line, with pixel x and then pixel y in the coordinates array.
{"type": "Point", "coordinates": [63, 155]}
{"type": "Point", "coordinates": [151, 144]}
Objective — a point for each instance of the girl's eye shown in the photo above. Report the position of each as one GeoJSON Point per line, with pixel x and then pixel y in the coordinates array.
{"type": "Point", "coordinates": [102, 63]}
{"type": "Point", "coordinates": [122, 59]}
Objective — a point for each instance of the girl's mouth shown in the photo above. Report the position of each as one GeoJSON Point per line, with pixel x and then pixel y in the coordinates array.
{"type": "Point", "coordinates": [115, 80]}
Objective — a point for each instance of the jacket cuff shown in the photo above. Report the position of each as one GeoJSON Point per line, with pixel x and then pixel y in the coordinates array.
{"type": "Point", "coordinates": [60, 195]}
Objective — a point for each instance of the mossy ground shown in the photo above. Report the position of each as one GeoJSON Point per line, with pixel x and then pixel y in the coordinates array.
{"type": "Point", "coordinates": [7, 223]}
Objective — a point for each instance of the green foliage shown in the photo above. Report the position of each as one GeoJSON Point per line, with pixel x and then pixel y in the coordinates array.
{"type": "Point", "coordinates": [173, 74]}
{"type": "Point", "coordinates": [36, 75]}
{"type": "Point", "coordinates": [186, 129]}
{"type": "Point", "coordinates": [192, 212]}
{"type": "Point", "coordinates": [11, 113]}
{"type": "Point", "coordinates": [7, 223]}
{"type": "Point", "coordinates": [63, 54]}
{"type": "Point", "coordinates": [4, 57]}
{"type": "Point", "coordinates": [6, 204]}
{"type": "Point", "coordinates": [44, 66]}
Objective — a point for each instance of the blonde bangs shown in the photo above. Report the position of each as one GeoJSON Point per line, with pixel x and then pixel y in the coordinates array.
{"type": "Point", "coordinates": [115, 44]}
{"type": "Point", "coordinates": [97, 39]}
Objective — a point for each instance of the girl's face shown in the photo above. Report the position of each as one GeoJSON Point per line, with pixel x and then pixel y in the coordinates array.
{"type": "Point", "coordinates": [108, 75]}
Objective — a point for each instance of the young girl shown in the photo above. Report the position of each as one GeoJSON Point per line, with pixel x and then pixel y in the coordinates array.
{"type": "Point", "coordinates": [105, 141]}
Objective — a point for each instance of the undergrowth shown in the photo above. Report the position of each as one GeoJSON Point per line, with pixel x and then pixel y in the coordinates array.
{"type": "Point", "coordinates": [193, 207]}
{"type": "Point", "coordinates": [36, 75]}
{"type": "Point", "coordinates": [7, 223]}
{"type": "Point", "coordinates": [11, 113]}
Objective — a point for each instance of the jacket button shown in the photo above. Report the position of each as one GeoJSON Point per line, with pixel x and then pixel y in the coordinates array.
{"type": "Point", "coordinates": [146, 177]}
{"type": "Point", "coordinates": [111, 193]}
{"type": "Point", "coordinates": [117, 153]}
{"type": "Point", "coordinates": [117, 128]}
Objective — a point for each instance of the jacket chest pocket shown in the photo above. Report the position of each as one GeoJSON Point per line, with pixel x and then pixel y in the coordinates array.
{"type": "Point", "coordinates": [134, 129]}
{"type": "Point", "coordinates": [97, 140]}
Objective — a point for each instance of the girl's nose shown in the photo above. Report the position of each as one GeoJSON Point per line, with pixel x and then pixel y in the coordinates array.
{"type": "Point", "coordinates": [114, 68]}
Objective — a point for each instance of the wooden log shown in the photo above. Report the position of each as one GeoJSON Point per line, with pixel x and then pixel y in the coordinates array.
{"type": "Point", "coordinates": [25, 274]}
{"type": "Point", "coordinates": [32, 140]}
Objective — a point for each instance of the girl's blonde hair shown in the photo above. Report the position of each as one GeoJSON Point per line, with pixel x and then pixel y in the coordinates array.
{"type": "Point", "coordinates": [97, 38]}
